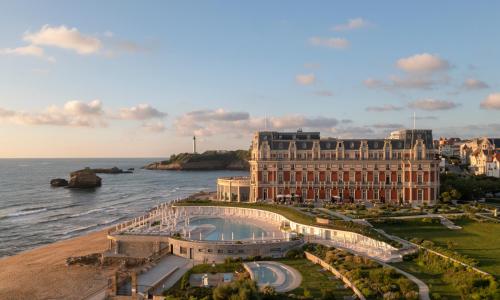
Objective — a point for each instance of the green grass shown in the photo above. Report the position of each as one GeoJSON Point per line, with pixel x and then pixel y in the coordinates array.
{"type": "Point", "coordinates": [434, 281]}
{"type": "Point", "coordinates": [315, 279]}
{"type": "Point", "coordinates": [480, 241]}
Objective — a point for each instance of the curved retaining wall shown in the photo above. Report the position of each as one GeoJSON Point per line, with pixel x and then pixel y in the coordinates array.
{"type": "Point", "coordinates": [335, 272]}
{"type": "Point", "coordinates": [347, 239]}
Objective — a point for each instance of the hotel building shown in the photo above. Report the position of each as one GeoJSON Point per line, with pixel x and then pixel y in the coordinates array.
{"type": "Point", "coordinates": [305, 167]}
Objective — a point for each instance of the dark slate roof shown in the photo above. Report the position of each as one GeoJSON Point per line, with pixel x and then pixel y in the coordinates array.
{"type": "Point", "coordinates": [328, 144]}
{"type": "Point", "coordinates": [495, 141]}
{"type": "Point", "coordinates": [375, 144]}
{"type": "Point", "coordinates": [397, 144]}
{"type": "Point", "coordinates": [352, 144]}
{"type": "Point", "coordinates": [411, 135]}
{"type": "Point", "coordinates": [279, 145]}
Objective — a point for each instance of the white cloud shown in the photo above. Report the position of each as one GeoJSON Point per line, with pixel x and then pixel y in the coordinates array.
{"type": "Point", "coordinates": [333, 42]}
{"type": "Point", "coordinates": [76, 113]}
{"type": "Point", "coordinates": [76, 107]}
{"type": "Point", "coordinates": [220, 122]}
{"type": "Point", "coordinates": [66, 38]}
{"type": "Point", "coordinates": [305, 79]}
{"type": "Point", "coordinates": [141, 112]}
{"type": "Point", "coordinates": [156, 126]}
{"type": "Point", "coordinates": [492, 101]}
{"type": "Point", "coordinates": [474, 84]}
{"type": "Point", "coordinates": [385, 107]}
{"type": "Point", "coordinates": [29, 50]}
{"type": "Point", "coordinates": [351, 24]}
{"type": "Point", "coordinates": [433, 104]}
{"type": "Point", "coordinates": [422, 63]}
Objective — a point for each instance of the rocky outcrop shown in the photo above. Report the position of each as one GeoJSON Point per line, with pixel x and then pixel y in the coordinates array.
{"type": "Point", "coordinates": [85, 178]}
{"type": "Point", "coordinates": [93, 259]}
{"type": "Point", "coordinates": [113, 170]}
{"type": "Point", "coordinates": [58, 182]}
{"type": "Point", "coordinates": [207, 161]}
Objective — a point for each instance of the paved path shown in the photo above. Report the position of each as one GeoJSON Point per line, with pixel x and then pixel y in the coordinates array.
{"type": "Point", "coordinates": [423, 289]}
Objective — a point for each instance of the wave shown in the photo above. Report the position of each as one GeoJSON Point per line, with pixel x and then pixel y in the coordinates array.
{"type": "Point", "coordinates": [86, 212]}
{"type": "Point", "coordinates": [93, 226]}
{"type": "Point", "coordinates": [27, 211]}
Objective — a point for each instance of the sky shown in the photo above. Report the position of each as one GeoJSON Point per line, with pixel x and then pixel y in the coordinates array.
{"type": "Point", "coordinates": [140, 78]}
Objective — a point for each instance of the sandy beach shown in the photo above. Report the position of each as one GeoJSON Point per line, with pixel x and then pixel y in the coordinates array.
{"type": "Point", "coordinates": [41, 273]}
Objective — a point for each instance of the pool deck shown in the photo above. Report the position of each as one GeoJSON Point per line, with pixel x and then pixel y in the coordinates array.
{"type": "Point", "coordinates": [287, 278]}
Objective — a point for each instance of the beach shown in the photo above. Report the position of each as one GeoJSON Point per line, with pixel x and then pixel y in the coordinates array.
{"type": "Point", "coordinates": [41, 273]}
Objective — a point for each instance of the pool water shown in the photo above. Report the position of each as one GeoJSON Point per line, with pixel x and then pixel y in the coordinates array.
{"type": "Point", "coordinates": [238, 227]}
{"type": "Point", "coordinates": [264, 275]}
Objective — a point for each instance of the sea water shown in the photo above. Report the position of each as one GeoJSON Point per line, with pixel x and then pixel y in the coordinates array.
{"type": "Point", "coordinates": [32, 213]}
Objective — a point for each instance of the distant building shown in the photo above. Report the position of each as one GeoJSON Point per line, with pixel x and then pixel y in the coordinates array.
{"type": "Point", "coordinates": [469, 147]}
{"type": "Point", "coordinates": [485, 162]}
{"type": "Point", "coordinates": [449, 147]}
{"type": "Point", "coordinates": [302, 166]}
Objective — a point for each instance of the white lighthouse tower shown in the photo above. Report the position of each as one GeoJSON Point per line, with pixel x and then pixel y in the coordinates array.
{"type": "Point", "coordinates": [194, 144]}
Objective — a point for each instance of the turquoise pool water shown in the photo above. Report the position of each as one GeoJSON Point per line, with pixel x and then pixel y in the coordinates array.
{"type": "Point", "coordinates": [237, 227]}
{"type": "Point", "coordinates": [263, 275]}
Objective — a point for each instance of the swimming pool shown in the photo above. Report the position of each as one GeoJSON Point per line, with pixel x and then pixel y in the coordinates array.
{"type": "Point", "coordinates": [214, 228]}
{"type": "Point", "coordinates": [281, 277]}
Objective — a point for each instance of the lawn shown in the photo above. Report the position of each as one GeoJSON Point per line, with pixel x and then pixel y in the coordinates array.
{"type": "Point", "coordinates": [315, 279]}
{"type": "Point", "coordinates": [480, 241]}
{"type": "Point", "coordinates": [434, 281]}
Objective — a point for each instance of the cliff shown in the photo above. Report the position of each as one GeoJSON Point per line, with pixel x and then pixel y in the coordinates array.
{"type": "Point", "coordinates": [206, 161]}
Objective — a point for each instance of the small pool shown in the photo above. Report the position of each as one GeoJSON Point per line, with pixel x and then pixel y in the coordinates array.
{"type": "Point", "coordinates": [215, 228]}
{"type": "Point", "coordinates": [264, 275]}
{"type": "Point", "coordinates": [281, 277]}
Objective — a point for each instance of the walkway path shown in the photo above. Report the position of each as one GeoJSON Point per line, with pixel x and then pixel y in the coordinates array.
{"type": "Point", "coordinates": [423, 289]}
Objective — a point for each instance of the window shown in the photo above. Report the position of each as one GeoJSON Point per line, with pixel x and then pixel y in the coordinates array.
{"type": "Point", "coordinates": [280, 177]}
{"type": "Point", "coordinates": [375, 194]}
{"type": "Point", "coordinates": [304, 177]}
{"type": "Point", "coordinates": [399, 177]}
{"type": "Point", "coordinates": [364, 194]}
{"type": "Point", "coordinates": [420, 195]}
{"type": "Point", "coordinates": [419, 178]}
{"type": "Point", "coordinates": [352, 177]}
{"type": "Point", "coordinates": [387, 179]}
{"type": "Point", "coordinates": [375, 177]}
{"type": "Point", "coordinates": [292, 177]}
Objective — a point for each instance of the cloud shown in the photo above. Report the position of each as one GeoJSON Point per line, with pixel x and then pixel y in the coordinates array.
{"type": "Point", "coordinates": [217, 115]}
{"type": "Point", "coordinates": [76, 113]}
{"type": "Point", "coordinates": [432, 104]}
{"type": "Point", "coordinates": [221, 122]}
{"type": "Point", "coordinates": [305, 79]}
{"type": "Point", "coordinates": [352, 132]}
{"type": "Point", "coordinates": [29, 50]}
{"type": "Point", "coordinates": [385, 107]}
{"type": "Point", "coordinates": [333, 42]}
{"type": "Point", "coordinates": [141, 112]}
{"type": "Point", "coordinates": [469, 131]}
{"type": "Point", "coordinates": [492, 101]}
{"type": "Point", "coordinates": [423, 63]}
{"type": "Point", "coordinates": [66, 38]}
{"type": "Point", "coordinates": [420, 71]}
{"type": "Point", "coordinates": [156, 127]}
{"type": "Point", "coordinates": [324, 93]}
{"type": "Point", "coordinates": [474, 84]}
{"type": "Point", "coordinates": [387, 125]}
{"type": "Point", "coordinates": [351, 24]}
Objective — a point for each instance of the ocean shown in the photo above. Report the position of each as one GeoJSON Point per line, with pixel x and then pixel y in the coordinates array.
{"type": "Point", "coordinates": [32, 213]}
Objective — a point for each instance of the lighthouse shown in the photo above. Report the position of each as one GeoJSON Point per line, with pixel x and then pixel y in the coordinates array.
{"type": "Point", "coordinates": [194, 144]}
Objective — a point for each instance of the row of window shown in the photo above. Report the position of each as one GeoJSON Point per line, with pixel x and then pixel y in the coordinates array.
{"type": "Point", "coordinates": [340, 179]}
{"type": "Point", "coordinates": [364, 194]}
{"type": "Point", "coordinates": [184, 250]}
{"type": "Point", "coordinates": [340, 166]}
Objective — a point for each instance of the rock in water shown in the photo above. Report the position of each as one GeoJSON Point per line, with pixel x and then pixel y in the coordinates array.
{"type": "Point", "coordinates": [85, 178]}
{"type": "Point", "coordinates": [57, 182]}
